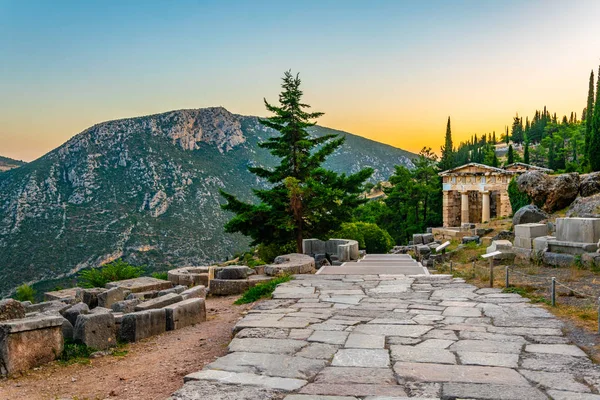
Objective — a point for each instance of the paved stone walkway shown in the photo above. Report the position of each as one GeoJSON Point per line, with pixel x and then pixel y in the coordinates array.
{"type": "Point", "coordinates": [384, 337]}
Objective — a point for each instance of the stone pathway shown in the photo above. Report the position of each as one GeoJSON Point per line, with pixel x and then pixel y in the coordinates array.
{"type": "Point", "coordinates": [392, 337]}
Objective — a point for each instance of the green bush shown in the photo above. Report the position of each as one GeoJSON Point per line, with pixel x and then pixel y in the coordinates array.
{"type": "Point", "coordinates": [75, 353]}
{"type": "Point", "coordinates": [161, 275]}
{"type": "Point", "coordinates": [25, 293]}
{"type": "Point", "coordinates": [369, 236]}
{"type": "Point", "coordinates": [517, 198]}
{"type": "Point", "coordinates": [268, 252]}
{"type": "Point", "coordinates": [262, 290]}
{"type": "Point", "coordinates": [113, 271]}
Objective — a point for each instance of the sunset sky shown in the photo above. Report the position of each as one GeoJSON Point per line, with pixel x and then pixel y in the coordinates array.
{"type": "Point", "coordinates": [392, 71]}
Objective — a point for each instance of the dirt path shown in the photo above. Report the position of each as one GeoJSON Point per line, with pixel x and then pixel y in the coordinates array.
{"type": "Point", "coordinates": [152, 369]}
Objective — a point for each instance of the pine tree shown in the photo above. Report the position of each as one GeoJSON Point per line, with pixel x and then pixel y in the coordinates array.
{"type": "Point", "coordinates": [495, 160]}
{"type": "Point", "coordinates": [526, 153]}
{"type": "Point", "coordinates": [506, 137]}
{"type": "Point", "coordinates": [304, 199]}
{"type": "Point", "coordinates": [588, 116]}
{"type": "Point", "coordinates": [447, 160]}
{"type": "Point", "coordinates": [494, 137]}
{"type": "Point", "coordinates": [510, 158]}
{"type": "Point", "coordinates": [594, 118]}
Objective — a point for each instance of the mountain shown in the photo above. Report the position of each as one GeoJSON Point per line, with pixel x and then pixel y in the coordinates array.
{"type": "Point", "coordinates": [145, 189]}
{"type": "Point", "coordinates": [8, 163]}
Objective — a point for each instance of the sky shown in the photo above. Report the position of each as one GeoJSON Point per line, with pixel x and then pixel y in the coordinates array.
{"type": "Point", "coordinates": [392, 71]}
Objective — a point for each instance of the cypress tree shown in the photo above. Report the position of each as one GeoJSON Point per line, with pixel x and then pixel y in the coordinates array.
{"type": "Point", "coordinates": [506, 136]}
{"type": "Point", "coordinates": [447, 160]}
{"type": "Point", "coordinates": [304, 199]}
{"type": "Point", "coordinates": [510, 158]}
{"type": "Point", "coordinates": [594, 118]}
{"type": "Point", "coordinates": [526, 153]}
{"type": "Point", "coordinates": [494, 137]}
{"type": "Point", "coordinates": [587, 116]}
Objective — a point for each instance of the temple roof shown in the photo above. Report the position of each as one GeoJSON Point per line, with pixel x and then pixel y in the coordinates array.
{"type": "Point", "coordinates": [477, 168]}
{"type": "Point", "coordinates": [517, 165]}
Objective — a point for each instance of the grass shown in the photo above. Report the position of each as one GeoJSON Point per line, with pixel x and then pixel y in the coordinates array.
{"type": "Point", "coordinates": [527, 292]}
{"type": "Point", "coordinates": [75, 353]}
{"type": "Point", "coordinates": [161, 275]}
{"type": "Point", "coordinates": [262, 290]}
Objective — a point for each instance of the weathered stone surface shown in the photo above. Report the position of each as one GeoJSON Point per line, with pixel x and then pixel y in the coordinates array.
{"type": "Point", "coordinates": [562, 395]}
{"type": "Point", "coordinates": [551, 380]}
{"type": "Point", "coordinates": [392, 392]}
{"type": "Point", "coordinates": [276, 346]}
{"type": "Point", "coordinates": [70, 295]}
{"type": "Point", "coordinates": [269, 364]}
{"type": "Point", "coordinates": [486, 346]}
{"type": "Point", "coordinates": [320, 351]}
{"type": "Point", "coordinates": [185, 313]}
{"type": "Point", "coordinates": [490, 392]}
{"type": "Point", "coordinates": [589, 184]}
{"type": "Point", "coordinates": [214, 390]}
{"type": "Point", "coordinates": [360, 341]}
{"type": "Point", "coordinates": [558, 259]}
{"type": "Point", "coordinates": [29, 342]}
{"type": "Point", "coordinates": [488, 359]}
{"type": "Point", "coordinates": [294, 263]}
{"type": "Point", "coordinates": [329, 337]}
{"type": "Point", "coordinates": [11, 309]}
{"type": "Point", "coordinates": [227, 287]}
{"type": "Point", "coordinates": [393, 330]}
{"type": "Point", "coordinates": [530, 231]}
{"type": "Point", "coordinates": [96, 330]}
{"type": "Point", "coordinates": [422, 354]}
{"type": "Point", "coordinates": [585, 207]}
{"type": "Point", "coordinates": [141, 284]}
{"type": "Point", "coordinates": [53, 306]}
{"type": "Point", "coordinates": [458, 373]}
{"type": "Point", "coordinates": [142, 324]}
{"type": "Point", "coordinates": [244, 378]}
{"type": "Point", "coordinates": [563, 349]}
{"type": "Point", "coordinates": [67, 329]}
{"type": "Point", "coordinates": [335, 375]}
{"type": "Point", "coordinates": [529, 214]}
{"type": "Point", "coordinates": [194, 292]}
{"type": "Point", "coordinates": [126, 306]}
{"type": "Point", "coordinates": [90, 296]}
{"type": "Point", "coordinates": [368, 358]}
{"type": "Point", "coordinates": [159, 302]}
{"type": "Point", "coordinates": [107, 298]}
{"type": "Point", "coordinates": [72, 312]}
{"type": "Point", "coordinates": [234, 272]}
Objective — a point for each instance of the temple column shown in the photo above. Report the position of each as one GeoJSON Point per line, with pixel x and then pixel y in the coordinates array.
{"type": "Point", "coordinates": [485, 207]}
{"type": "Point", "coordinates": [464, 207]}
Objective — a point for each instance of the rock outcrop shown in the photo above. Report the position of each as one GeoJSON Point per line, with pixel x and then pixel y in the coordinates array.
{"type": "Point", "coordinates": [590, 184]}
{"type": "Point", "coordinates": [585, 207]}
{"type": "Point", "coordinates": [552, 192]}
{"type": "Point", "coordinates": [529, 214]}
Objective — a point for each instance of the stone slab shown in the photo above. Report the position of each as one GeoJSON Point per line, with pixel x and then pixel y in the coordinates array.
{"type": "Point", "coordinates": [393, 330]}
{"type": "Point", "coordinates": [329, 337]}
{"type": "Point", "coordinates": [563, 349]}
{"type": "Point", "coordinates": [141, 284]}
{"type": "Point", "coordinates": [489, 359]}
{"type": "Point", "coordinates": [335, 375]}
{"type": "Point", "coordinates": [214, 390]}
{"type": "Point", "coordinates": [244, 378]}
{"type": "Point", "coordinates": [185, 313]}
{"type": "Point", "coordinates": [373, 270]}
{"type": "Point", "coordinates": [277, 346]}
{"type": "Point", "coordinates": [458, 373]}
{"type": "Point", "coordinates": [159, 302]}
{"type": "Point", "coordinates": [142, 324]}
{"type": "Point", "coordinates": [368, 358]}
{"type": "Point", "coordinates": [487, 346]}
{"type": "Point", "coordinates": [490, 392]}
{"type": "Point", "coordinates": [388, 391]}
{"type": "Point", "coordinates": [530, 231]}
{"type": "Point", "coordinates": [360, 341]}
{"type": "Point", "coordinates": [422, 354]}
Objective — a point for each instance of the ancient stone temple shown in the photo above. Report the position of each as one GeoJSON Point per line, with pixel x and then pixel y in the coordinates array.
{"type": "Point", "coordinates": [476, 193]}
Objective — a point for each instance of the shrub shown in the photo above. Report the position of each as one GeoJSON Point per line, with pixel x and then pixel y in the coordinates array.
{"type": "Point", "coordinates": [161, 275]}
{"type": "Point", "coordinates": [268, 252]}
{"type": "Point", "coordinates": [113, 271]}
{"type": "Point", "coordinates": [369, 236]}
{"type": "Point", "coordinates": [262, 290]}
{"type": "Point", "coordinates": [517, 198]}
{"type": "Point", "coordinates": [25, 293]}
{"type": "Point", "coordinates": [75, 353]}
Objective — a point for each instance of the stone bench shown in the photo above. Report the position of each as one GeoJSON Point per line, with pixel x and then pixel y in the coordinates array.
{"type": "Point", "coordinates": [29, 342]}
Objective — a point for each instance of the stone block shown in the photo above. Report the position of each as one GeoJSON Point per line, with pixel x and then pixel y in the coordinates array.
{"type": "Point", "coordinates": [580, 230]}
{"type": "Point", "coordinates": [590, 260]}
{"type": "Point", "coordinates": [225, 287]}
{"type": "Point", "coordinates": [90, 296]}
{"type": "Point", "coordinates": [96, 330]}
{"type": "Point", "coordinates": [531, 231]}
{"type": "Point", "coordinates": [11, 309]}
{"type": "Point", "coordinates": [73, 312]}
{"type": "Point", "coordinates": [29, 342]}
{"type": "Point", "coordinates": [500, 245]}
{"type": "Point", "coordinates": [558, 260]}
{"type": "Point", "coordinates": [417, 239]}
{"type": "Point", "coordinates": [54, 306]}
{"type": "Point", "coordinates": [71, 295]}
{"type": "Point", "coordinates": [185, 313]}
{"type": "Point", "coordinates": [125, 306]}
{"type": "Point", "coordinates": [233, 272]}
{"type": "Point", "coordinates": [574, 248]}
{"type": "Point", "coordinates": [140, 325]}
{"type": "Point", "coordinates": [470, 239]}
{"type": "Point", "coordinates": [141, 284]}
{"type": "Point", "coordinates": [159, 302]}
{"type": "Point", "coordinates": [541, 243]}
{"type": "Point", "coordinates": [294, 263]}
{"type": "Point", "coordinates": [67, 329]}
{"type": "Point", "coordinates": [189, 276]}
{"type": "Point", "coordinates": [194, 292]}
{"type": "Point", "coordinates": [107, 298]}
{"type": "Point", "coordinates": [523, 243]}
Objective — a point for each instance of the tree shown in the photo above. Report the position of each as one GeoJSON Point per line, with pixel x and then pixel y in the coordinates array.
{"type": "Point", "coordinates": [526, 153]}
{"type": "Point", "coordinates": [517, 130]}
{"type": "Point", "coordinates": [588, 115]}
{"type": "Point", "coordinates": [303, 199]}
{"type": "Point", "coordinates": [594, 150]}
{"type": "Point", "coordinates": [510, 157]}
{"type": "Point", "coordinates": [447, 161]}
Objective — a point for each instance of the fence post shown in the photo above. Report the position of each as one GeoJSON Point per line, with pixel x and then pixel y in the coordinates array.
{"type": "Point", "coordinates": [450, 266]}
{"type": "Point", "coordinates": [473, 270]}
{"type": "Point", "coordinates": [553, 291]}
{"type": "Point", "coordinates": [599, 315]}
{"type": "Point", "coordinates": [506, 284]}
{"type": "Point", "coordinates": [491, 272]}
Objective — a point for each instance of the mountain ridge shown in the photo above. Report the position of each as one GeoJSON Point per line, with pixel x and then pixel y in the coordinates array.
{"type": "Point", "coordinates": [145, 189]}
{"type": "Point", "coordinates": [7, 163]}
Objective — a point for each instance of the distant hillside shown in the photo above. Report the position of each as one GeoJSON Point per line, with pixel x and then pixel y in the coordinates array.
{"type": "Point", "coordinates": [146, 189]}
{"type": "Point", "coordinates": [8, 163]}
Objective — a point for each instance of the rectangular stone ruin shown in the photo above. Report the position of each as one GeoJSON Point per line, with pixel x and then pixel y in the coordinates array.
{"type": "Point", "coordinates": [96, 329]}
{"type": "Point", "coordinates": [575, 236]}
{"type": "Point", "coordinates": [159, 302]}
{"type": "Point", "coordinates": [505, 247]}
{"type": "Point", "coordinates": [141, 284]}
{"type": "Point", "coordinates": [29, 342]}
{"type": "Point", "coordinates": [524, 236]}
{"type": "Point", "coordinates": [191, 276]}
{"type": "Point", "coordinates": [140, 325]}
{"type": "Point", "coordinates": [185, 313]}
{"type": "Point", "coordinates": [71, 295]}
{"type": "Point", "coordinates": [346, 250]}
